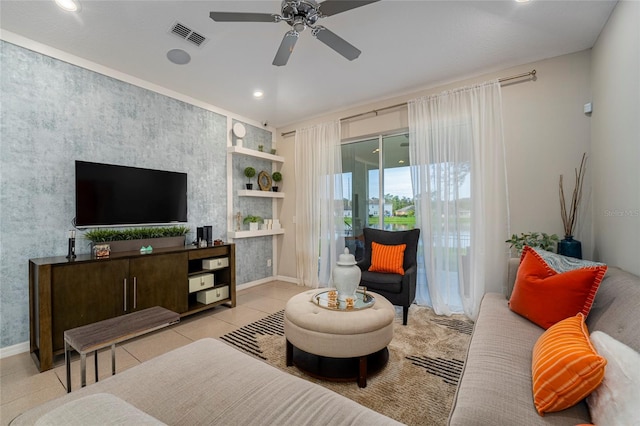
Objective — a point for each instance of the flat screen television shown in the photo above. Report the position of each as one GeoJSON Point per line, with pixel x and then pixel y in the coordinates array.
{"type": "Point", "coordinates": [111, 195]}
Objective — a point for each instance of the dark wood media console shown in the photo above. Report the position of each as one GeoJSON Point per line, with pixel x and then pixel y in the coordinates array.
{"type": "Point", "coordinates": [65, 294]}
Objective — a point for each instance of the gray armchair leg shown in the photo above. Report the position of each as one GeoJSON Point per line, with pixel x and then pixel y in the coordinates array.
{"type": "Point", "coordinates": [405, 314]}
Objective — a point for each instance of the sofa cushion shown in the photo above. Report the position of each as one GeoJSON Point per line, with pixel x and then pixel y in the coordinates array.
{"type": "Point", "coordinates": [387, 259]}
{"type": "Point", "coordinates": [565, 367]}
{"type": "Point", "coordinates": [99, 408]}
{"type": "Point", "coordinates": [545, 296]}
{"type": "Point", "coordinates": [615, 310]}
{"type": "Point", "coordinates": [616, 400]}
{"type": "Point", "coordinates": [208, 383]}
{"type": "Point", "coordinates": [495, 387]}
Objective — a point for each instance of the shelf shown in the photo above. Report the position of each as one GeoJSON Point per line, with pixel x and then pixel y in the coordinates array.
{"type": "Point", "coordinates": [253, 153]}
{"type": "Point", "coordinates": [249, 234]}
{"type": "Point", "coordinates": [264, 194]}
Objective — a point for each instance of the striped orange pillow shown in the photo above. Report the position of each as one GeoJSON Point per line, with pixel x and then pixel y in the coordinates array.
{"type": "Point", "coordinates": [565, 367]}
{"type": "Point", "coordinates": [388, 259]}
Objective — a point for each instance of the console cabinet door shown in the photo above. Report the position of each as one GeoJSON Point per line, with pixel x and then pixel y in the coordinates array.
{"type": "Point", "coordinates": [84, 293]}
{"type": "Point", "coordinates": [159, 280]}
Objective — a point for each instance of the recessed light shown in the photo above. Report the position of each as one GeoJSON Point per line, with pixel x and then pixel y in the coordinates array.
{"type": "Point", "coordinates": [178, 56]}
{"type": "Point", "coordinates": [68, 5]}
{"type": "Point", "coordinates": [258, 94]}
{"type": "Point", "coordinates": [522, 1]}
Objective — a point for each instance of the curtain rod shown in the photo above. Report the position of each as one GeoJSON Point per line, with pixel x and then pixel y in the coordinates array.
{"type": "Point", "coordinates": [531, 73]}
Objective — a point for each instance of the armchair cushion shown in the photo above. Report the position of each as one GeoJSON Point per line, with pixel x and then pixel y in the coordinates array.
{"type": "Point", "coordinates": [381, 282]}
{"type": "Point", "coordinates": [387, 259]}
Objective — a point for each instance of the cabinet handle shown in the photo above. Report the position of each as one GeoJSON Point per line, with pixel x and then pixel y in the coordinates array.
{"type": "Point", "coordinates": [135, 292]}
{"type": "Point", "coordinates": [125, 295]}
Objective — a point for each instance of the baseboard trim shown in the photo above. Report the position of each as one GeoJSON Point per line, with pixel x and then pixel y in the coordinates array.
{"type": "Point", "coordinates": [288, 279]}
{"type": "Point", "coordinates": [14, 350]}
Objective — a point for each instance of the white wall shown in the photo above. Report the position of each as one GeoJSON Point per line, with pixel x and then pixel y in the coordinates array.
{"type": "Point", "coordinates": [546, 133]}
{"type": "Point", "coordinates": [616, 138]}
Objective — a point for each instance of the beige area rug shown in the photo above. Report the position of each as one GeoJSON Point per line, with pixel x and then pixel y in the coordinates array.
{"type": "Point", "coordinates": [417, 385]}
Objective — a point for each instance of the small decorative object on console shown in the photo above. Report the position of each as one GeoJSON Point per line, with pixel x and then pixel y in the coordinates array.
{"type": "Point", "coordinates": [72, 245]}
{"type": "Point", "coordinates": [101, 250]}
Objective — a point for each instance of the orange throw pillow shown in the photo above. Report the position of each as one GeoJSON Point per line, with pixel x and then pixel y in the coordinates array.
{"type": "Point", "coordinates": [565, 367]}
{"type": "Point", "coordinates": [388, 259]}
{"type": "Point", "coordinates": [545, 297]}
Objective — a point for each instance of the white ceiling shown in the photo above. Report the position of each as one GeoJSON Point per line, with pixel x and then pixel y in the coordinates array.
{"type": "Point", "coordinates": [406, 45]}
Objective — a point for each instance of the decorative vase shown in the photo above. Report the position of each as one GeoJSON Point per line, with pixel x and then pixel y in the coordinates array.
{"type": "Point", "coordinates": [346, 276]}
{"type": "Point", "coordinates": [570, 247]}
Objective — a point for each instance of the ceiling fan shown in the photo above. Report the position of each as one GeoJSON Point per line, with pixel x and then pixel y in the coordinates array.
{"type": "Point", "coordinates": [300, 14]}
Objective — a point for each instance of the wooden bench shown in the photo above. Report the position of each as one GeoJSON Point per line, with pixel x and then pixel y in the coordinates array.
{"type": "Point", "coordinates": [92, 337]}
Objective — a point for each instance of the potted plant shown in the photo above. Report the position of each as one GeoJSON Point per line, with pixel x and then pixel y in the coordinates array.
{"type": "Point", "coordinates": [568, 246]}
{"type": "Point", "coordinates": [252, 221]}
{"type": "Point", "coordinates": [133, 239]}
{"type": "Point", "coordinates": [249, 172]}
{"type": "Point", "coordinates": [533, 239]}
{"type": "Point", "coordinates": [260, 148]}
{"type": "Point", "coordinates": [276, 177]}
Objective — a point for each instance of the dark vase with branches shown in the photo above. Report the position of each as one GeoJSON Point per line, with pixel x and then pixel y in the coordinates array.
{"type": "Point", "coordinates": [569, 246]}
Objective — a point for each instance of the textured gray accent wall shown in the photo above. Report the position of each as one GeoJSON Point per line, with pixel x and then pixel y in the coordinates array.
{"type": "Point", "coordinates": [252, 253]}
{"type": "Point", "coordinates": [53, 113]}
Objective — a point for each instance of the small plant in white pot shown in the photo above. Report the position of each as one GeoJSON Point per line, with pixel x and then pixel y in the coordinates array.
{"type": "Point", "coordinates": [276, 177]}
{"type": "Point", "coordinates": [249, 172]}
{"type": "Point", "coordinates": [253, 222]}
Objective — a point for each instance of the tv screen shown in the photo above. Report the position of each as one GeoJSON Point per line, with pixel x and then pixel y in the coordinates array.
{"type": "Point", "coordinates": [108, 195]}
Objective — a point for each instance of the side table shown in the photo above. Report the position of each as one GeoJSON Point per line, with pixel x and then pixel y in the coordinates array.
{"type": "Point", "coordinates": [91, 337]}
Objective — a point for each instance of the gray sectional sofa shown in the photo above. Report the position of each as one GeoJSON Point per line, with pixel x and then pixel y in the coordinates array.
{"type": "Point", "coordinates": [204, 383]}
{"type": "Point", "coordinates": [495, 387]}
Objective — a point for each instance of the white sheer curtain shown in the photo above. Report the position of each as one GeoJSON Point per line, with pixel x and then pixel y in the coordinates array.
{"type": "Point", "coordinates": [319, 207]}
{"type": "Point", "coordinates": [458, 168]}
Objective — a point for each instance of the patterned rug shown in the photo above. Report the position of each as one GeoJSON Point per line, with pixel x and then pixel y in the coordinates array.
{"type": "Point", "coordinates": [417, 385]}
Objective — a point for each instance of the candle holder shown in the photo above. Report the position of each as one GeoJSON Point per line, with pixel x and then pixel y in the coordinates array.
{"type": "Point", "coordinates": [71, 252]}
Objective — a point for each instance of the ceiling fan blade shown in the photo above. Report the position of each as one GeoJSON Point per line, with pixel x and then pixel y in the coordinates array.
{"type": "Point", "coordinates": [242, 17]}
{"type": "Point", "coordinates": [337, 43]}
{"type": "Point", "coordinates": [332, 7]}
{"type": "Point", "coordinates": [286, 48]}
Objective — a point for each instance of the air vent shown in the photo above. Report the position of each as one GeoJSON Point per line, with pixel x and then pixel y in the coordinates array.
{"type": "Point", "coordinates": [188, 34]}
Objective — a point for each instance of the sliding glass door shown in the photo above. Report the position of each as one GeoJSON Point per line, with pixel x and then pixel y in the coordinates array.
{"type": "Point", "coordinates": [376, 184]}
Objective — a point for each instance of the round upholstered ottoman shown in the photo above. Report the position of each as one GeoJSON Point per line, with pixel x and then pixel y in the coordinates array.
{"type": "Point", "coordinates": [328, 343]}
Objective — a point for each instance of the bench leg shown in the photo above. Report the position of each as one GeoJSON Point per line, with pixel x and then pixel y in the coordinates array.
{"type": "Point", "coordinates": [289, 354]}
{"type": "Point", "coordinates": [67, 363]}
{"type": "Point", "coordinates": [113, 359]}
{"type": "Point", "coordinates": [83, 369]}
{"type": "Point", "coordinates": [362, 372]}
{"type": "Point", "coordinates": [95, 363]}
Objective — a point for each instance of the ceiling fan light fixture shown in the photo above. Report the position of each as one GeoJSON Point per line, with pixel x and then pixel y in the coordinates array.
{"type": "Point", "coordinates": [68, 5]}
{"type": "Point", "coordinates": [299, 24]}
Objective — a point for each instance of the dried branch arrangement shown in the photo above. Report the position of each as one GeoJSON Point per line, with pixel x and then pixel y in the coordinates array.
{"type": "Point", "coordinates": [569, 220]}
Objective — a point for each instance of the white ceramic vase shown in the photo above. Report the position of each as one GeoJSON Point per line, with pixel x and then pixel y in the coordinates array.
{"type": "Point", "coordinates": [346, 276]}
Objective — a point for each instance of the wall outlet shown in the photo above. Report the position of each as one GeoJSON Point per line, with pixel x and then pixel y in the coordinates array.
{"type": "Point", "coordinates": [268, 262]}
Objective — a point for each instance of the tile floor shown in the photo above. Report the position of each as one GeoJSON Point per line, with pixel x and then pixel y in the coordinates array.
{"type": "Point", "coordinates": [22, 386]}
